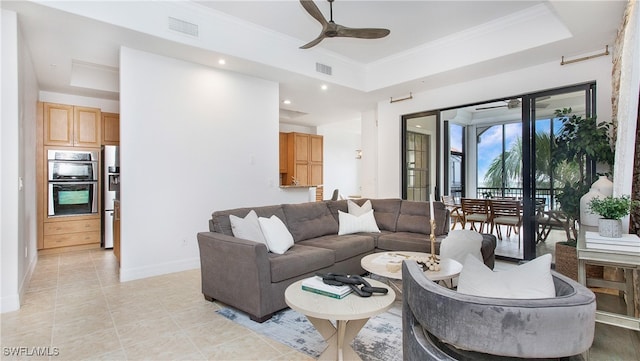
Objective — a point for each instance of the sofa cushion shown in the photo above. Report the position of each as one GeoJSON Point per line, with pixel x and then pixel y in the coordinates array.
{"type": "Point", "coordinates": [415, 217]}
{"type": "Point", "coordinates": [406, 241]}
{"type": "Point", "coordinates": [247, 227]}
{"type": "Point", "coordinates": [350, 223]}
{"type": "Point", "coordinates": [386, 212]}
{"type": "Point", "coordinates": [278, 238]}
{"type": "Point", "coordinates": [298, 260]}
{"type": "Point", "coordinates": [220, 222]}
{"type": "Point", "coordinates": [309, 220]}
{"type": "Point", "coordinates": [530, 280]}
{"type": "Point", "coordinates": [345, 247]}
{"type": "Point", "coordinates": [335, 206]}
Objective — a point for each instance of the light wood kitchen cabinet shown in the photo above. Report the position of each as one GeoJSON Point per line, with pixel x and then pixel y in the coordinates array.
{"type": "Point", "coordinates": [71, 233]}
{"type": "Point", "coordinates": [110, 129]}
{"type": "Point", "coordinates": [68, 125]}
{"type": "Point", "coordinates": [304, 160]}
{"type": "Point", "coordinates": [116, 229]}
{"type": "Point", "coordinates": [60, 126]}
{"type": "Point", "coordinates": [315, 159]}
{"type": "Point", "coordinates": [283, 152]}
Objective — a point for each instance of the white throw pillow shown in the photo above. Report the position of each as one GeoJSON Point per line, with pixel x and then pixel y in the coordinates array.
{"type": "Point", "coordinates": [460, 243]}
{"type": "Point", "coordinates": [357, 210]}
{"type": "Point", "coordinates": [354, 224]}
{"type": "Point", "coordinates": [527, 281]}
{"type": "Point", "coordinates": [247, 227]}
{"type": "Point", "coordinates": [278, 237]}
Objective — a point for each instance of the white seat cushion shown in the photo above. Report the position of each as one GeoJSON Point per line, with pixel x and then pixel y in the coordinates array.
{"type": "Point", "coordinates": [357, 210]}
{"type": "Point", "coordinates": [354, 224]}
{"type": "Point", "coordinates": [460, 243]}
{"type": "Point", "coordinates": [278, 237]}
{"type": "Point", "coordinates": [247, 227]}
{"type": "Point", "coordinates": [527, 281]}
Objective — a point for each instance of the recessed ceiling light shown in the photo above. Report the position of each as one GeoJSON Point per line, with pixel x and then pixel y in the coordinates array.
{"type": "Point", "coordinates": [418, 126]}
{"type": "Point", "coordinates": [222, 61]}
{"type": "Point", "coordinates": [286, 101]}
{"type": "Point", "coordinates": [324, 87]}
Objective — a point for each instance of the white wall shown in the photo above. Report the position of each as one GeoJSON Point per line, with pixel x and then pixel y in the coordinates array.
{"type": "Point", "coordinates": [369, 162]}
{"type": "Point", "coordinates": [537, 78]}
{"type": "Point", "coordinates": [193, 140]}
{"type": "Point", "coordinates": [28, 98]}
{"type": "Point", "coordinates": [17, 153]}
{"type": "Point", "coordinates": [9, 146]}
{"type": "Point", "coordinates": [341, 168]}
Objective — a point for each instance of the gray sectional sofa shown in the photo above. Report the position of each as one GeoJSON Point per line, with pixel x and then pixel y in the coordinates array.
{"type": "Point", "coordinates": [244, 275]}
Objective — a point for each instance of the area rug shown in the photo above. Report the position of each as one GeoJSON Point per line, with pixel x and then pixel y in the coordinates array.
{"type": "Point", "coordinates": [379, 340]}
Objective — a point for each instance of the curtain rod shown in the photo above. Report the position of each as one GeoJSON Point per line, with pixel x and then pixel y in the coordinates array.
{"type": "Point", "coordinates": [401, 99]}
{"type": "Point", "coordinates": [606, 52]}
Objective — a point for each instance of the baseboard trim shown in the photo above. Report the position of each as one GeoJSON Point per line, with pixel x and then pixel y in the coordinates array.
{"type": "Point", "coordinates": [9, 303]}
{"type": "Point", "coordinates": [130, 274]}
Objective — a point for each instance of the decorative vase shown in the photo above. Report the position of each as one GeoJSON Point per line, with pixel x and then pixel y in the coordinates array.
{"type": "Point", "coordinates": [611, 228]}
{"type": "Point", "coordinates": [587, 217]}
{"type": "Point", "coordinates": [604, 186]}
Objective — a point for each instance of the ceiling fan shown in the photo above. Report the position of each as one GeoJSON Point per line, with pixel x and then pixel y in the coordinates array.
{"type": "Point", "coordinates": [515, 103]}
{"type": "Point", "coordinates": [331, 30]}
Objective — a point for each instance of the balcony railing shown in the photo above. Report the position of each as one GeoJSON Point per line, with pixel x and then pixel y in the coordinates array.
{"type": "Point", "coordinates": [496, 192]}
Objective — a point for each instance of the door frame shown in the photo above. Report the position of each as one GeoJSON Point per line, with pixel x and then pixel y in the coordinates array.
{"type": "Point", "coordinates": [436, 169]}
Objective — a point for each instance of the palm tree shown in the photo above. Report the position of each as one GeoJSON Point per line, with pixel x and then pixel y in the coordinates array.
{"type": "Point", "coordinates": [513, 164]}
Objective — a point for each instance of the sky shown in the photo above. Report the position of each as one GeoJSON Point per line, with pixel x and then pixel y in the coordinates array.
{"type": "Point", "coordinates": [490, 145]}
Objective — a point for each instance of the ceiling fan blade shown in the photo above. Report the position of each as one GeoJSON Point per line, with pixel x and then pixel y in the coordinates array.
{"type": "Point", "coordinates": [314, 42]}
{"type": "Point", "coordinates": [493, 107]}
{"type": "Point", "coordinates": [362, 33]}
{"type": "Point", "coordinates": [313, 10]}
{"type": "Point", "coordinates": [330, 29]}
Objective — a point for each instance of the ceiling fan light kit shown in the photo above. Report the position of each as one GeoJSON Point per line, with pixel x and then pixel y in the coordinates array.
{"type": "Point", "coordinates": [332, 30]}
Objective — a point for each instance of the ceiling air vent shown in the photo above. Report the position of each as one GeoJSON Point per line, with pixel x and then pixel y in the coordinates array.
{"type": "Point", "coordinates": [322, 68]}
{"type": "Point", "coordinates": [182, 26]}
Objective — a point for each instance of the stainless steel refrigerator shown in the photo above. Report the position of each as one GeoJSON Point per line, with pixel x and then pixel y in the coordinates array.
{"type": "Point", "coordinates": [110, 190]}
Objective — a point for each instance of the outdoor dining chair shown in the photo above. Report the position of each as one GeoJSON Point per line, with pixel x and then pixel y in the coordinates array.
{"type": "Point", "coordinates": [476, 211]}
{"type": "Point", "coordinates": [508, 213]}
{"type": "Point", "coordinates": [455, 213]}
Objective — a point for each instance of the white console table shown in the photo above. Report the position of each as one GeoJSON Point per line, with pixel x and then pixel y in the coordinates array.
{"type": "Point", "coordinates": [628, 261]}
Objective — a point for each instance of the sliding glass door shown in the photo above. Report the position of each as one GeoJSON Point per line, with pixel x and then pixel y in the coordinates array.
{"type": "Point", "coordinates": [542, 182]}
{"type": "Point", "coordinates": [501, 148]}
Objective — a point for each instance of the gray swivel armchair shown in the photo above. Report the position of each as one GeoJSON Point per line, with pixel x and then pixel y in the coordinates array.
{"type": "Point", "coordinates": [442, 324]}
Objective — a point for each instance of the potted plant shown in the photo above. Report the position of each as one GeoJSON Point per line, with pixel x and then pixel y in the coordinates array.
{"type": "Point", "coordinates": [612, 209]}
{"type": "Point", "coordinates": [579, 142]}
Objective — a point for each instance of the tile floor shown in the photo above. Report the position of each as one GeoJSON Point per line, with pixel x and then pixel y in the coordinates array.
{"type": "Point", "coordinates": [76, 309]}
{"type": "Point", "coordinates": [76, 306]}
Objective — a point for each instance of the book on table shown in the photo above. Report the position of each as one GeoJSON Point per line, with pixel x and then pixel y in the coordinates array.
{"type": "Point", "coordinates": [316, 285]}
{"type": "Point", "coordinates": [626, 243]}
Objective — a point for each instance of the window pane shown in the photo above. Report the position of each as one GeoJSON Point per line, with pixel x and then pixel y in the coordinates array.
{"type": "Point", "coordinates": [490, 158]}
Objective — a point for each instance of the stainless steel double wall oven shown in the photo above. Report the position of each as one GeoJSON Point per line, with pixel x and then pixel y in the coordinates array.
{"type": "Point", "coordinates": [72, 182]}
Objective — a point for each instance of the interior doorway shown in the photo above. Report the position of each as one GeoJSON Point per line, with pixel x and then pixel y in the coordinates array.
{"type": "Point", "coordinates": [420, 156]}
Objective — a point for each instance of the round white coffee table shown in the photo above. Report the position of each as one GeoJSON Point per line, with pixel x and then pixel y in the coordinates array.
{"type": "Point", "coordinates": [376, 263]}
{"type": "Point", "coordinates": [351, 313]}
